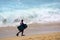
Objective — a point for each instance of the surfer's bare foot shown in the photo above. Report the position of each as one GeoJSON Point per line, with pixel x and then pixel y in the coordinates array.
{"type": "Point", "coordinates": [22, 35]}
{"type": "Point", "coordinates": [17, 34]}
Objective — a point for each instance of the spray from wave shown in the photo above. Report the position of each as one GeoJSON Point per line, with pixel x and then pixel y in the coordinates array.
{"type": "Point", "coordinates": [34, 15]}
{"type": "Point", "coordinates": [42, 14]}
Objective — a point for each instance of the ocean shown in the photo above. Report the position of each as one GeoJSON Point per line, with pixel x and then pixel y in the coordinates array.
{"type": "Point", "coordinates": [39, 11]}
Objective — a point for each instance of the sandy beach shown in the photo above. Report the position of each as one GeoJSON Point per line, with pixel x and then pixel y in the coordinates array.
{"type": "Point", "coordinates": [50, 36]}
{"type": "Point", "coordinates": [41, 16]}
{"type": "Point", "coordinates": [34, 31]}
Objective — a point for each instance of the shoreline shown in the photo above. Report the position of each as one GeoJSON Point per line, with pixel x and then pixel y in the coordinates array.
{"type": "Point", "coordinates": [32, 29]}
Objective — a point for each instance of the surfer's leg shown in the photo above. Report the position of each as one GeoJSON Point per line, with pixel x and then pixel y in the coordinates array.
{"type": "Point", "coordinates": [18, 33]}
{"type": "Point", "coordinates": [22, 33]}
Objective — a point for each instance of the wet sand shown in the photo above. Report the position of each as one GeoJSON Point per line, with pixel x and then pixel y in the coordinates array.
{"type": "Point", "coordinates": [32, 29]}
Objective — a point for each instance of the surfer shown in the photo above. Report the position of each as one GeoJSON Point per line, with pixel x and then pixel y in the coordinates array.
{"type": "Point", "coordinates": [21, 28]}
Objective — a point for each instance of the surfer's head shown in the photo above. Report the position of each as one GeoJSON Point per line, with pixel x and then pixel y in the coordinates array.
{"type": "Point", "coordinates": [22, 20]}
